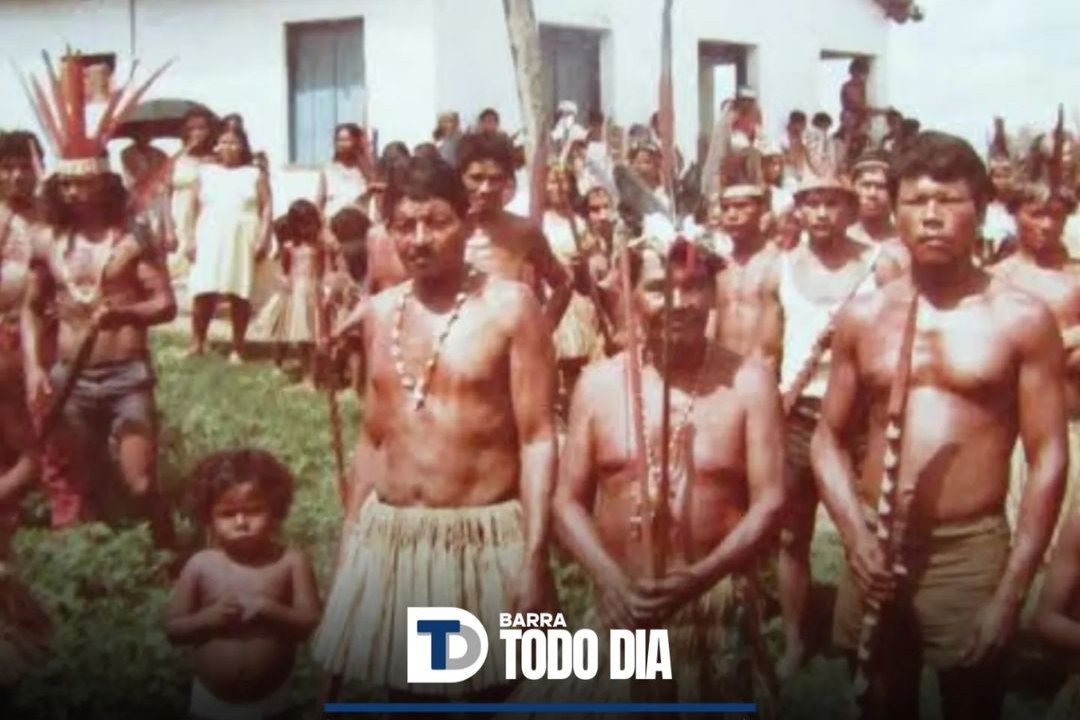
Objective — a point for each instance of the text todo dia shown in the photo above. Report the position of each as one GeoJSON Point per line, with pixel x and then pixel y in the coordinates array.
{"type": "Point", "coordinates": [450, 645]}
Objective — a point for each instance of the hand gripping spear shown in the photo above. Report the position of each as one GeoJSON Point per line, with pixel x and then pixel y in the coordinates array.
{"type": "Point", "coordinates": [894, 507]}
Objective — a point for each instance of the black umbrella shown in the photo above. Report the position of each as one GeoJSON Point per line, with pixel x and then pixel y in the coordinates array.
{"type": "Point", "coordinates": [159, 118]}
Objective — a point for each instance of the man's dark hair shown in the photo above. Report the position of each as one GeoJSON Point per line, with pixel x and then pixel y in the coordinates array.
{"type": "Point", "coordinates": [488, 113]}
{"type": "Point", "coordinates": [944, 158]}
{"type": "Point", "coordinates": [478, 147]}
{"type": "Point", "coordinates": [822, 118]}
{"type": "Point", "coordinates": [17, 144]}
{"type": "Point", "coordinates": [425, 178]}
{"type": "Point", "coordinates": [111, 199]}
{"type": "Point", "coordinates": [596, 117]}
{"type": "Point", "coordinates": [859, 65]}
{"type": "Point", "coordinates": [796, 116]}
{"type": "Point", "coordinates": [220, 472]}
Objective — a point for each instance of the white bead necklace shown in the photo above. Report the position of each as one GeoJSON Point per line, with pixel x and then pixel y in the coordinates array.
{"type": "Point", "coordinates": [654, 463]}
{"type": "Point", "coordinates": [418, 387]}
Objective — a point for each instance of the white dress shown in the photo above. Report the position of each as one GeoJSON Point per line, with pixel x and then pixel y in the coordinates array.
{"type": "Point", "coordinates": [344, 186]}
{"type": "Point", "coordinates": [226, 233]}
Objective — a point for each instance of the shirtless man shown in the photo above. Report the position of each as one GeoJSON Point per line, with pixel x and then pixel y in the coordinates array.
{"type": "Point", "coordinates": [874, 223]}
{"type": "Point", "coordinates": [1041, 267]}
{"type": "Point", "coordinates": [750, 318]}
{"type": "Point", "coordinates": [502, 244]}
{"type": "Point", "coordinates": [19, 152]}
{"type": "Point", "coordinates": [725, 499]}
{"type": "Point", "coordinates": [98, 276]}
{"type": "Point", "coordinates": [987, 365]}
{"type": "Point", "coordinates": [810, 282]}
{"type": "Point", "coordinates": [457, 457]}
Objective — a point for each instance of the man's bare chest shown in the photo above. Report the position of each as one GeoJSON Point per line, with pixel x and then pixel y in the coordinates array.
{"type": "Point", "coordinates": [961, 352]}
{"type": "Point", "coordinates": [439, 353]}
{"type": "Point", "coordinates": [743, 284]}
{"type": "Point", "coordinates": [500, 256]}
{"type": "Point", "coordinates": [707, 437]}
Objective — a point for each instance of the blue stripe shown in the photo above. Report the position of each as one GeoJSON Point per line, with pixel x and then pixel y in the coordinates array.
{"type": "Point", "coordinates": [463, 707]}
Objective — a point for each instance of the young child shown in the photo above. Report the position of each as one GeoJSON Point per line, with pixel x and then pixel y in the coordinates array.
{"type": "Point", "coordinates": [350, 227]}
{"type": "Point", "coordinates": [245, 604]}
{"type": "Point", "coordinates": [295, 315]}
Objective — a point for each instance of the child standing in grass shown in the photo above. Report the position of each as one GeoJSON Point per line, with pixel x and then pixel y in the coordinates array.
{"type": "Point", "coordinates": [247, 603]}
{"type": "Point", "coordinates": [294, 316]}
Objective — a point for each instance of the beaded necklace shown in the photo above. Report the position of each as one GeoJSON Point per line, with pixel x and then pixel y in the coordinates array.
{"type": "Point", "coordinates": [653, 464]}
{"type": "Point", "coordinates": [418, 387]}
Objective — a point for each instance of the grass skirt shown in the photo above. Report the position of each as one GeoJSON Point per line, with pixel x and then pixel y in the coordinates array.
{"type": "Point", "coordinates": [392, 558]}
{"type": "Point", "coordinates": [711, 660]}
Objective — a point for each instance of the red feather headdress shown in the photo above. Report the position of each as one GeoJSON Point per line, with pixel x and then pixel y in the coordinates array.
{"type": "Point", "coordinates": [60, 106]}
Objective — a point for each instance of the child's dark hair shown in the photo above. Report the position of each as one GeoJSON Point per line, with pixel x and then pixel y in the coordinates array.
{"type": "Point", "coordinates": [219, 472]}
{"type": "Point", "coordinates": [303, 212]}
{"type": "Point", "coordinates": [350, 224]}
{"type": "Point", "coordinates": [283, 230]}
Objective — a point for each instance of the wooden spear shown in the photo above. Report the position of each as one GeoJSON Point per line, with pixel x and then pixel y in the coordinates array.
{"type": "Point", "coordinates": [894, 507]}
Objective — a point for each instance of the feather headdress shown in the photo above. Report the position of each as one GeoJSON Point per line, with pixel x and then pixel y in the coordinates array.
{"type": "Point", "coordinates": [1043, 170]}
{"type": "Point", "coordinates": [60, 107]}
{"type": "Point", "coordinates": [824, 166]}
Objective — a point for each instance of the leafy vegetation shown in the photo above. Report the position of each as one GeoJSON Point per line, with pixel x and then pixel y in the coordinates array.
{"type": "Point", "coordinates": [106, 587]}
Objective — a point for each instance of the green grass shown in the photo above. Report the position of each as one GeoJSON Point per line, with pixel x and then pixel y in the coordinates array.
{"type": "Point", "coordinates": [105, 588]}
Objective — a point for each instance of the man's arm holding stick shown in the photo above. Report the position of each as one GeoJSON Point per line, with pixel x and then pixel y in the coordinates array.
{"type": "Point", "coordinates": [833, 468]}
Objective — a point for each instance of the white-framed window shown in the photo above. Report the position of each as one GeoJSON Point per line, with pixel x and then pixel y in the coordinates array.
{"type": "Point", "coordinates": [326, 85]}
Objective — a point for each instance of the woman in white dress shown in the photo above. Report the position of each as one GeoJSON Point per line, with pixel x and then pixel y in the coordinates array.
{"type": "Point", "coordinates": [231, 215]}
{"type": "Point", "coordinates": [344, 180]}
{"type": "Point", "coordinates": [198, 136]}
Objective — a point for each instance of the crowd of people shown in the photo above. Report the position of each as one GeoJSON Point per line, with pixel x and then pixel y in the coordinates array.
{"type": "Point", "coordinates": [667, 377]}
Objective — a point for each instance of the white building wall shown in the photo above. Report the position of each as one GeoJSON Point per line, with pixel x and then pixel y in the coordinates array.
{"type": "Point", "coordinates": [232, 55]}
{"type": "Point", "coordinates": [422, 56]}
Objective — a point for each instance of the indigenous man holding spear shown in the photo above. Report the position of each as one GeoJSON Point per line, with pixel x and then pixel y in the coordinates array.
{"type": "Point", "coordinates": [725, 493]}
{"type": "Point", "coordinates": [810, 282]}
{"type": "Point", "coordinates": [108, 290]}
{"type": "Point", "coordinates": [931, 574]}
